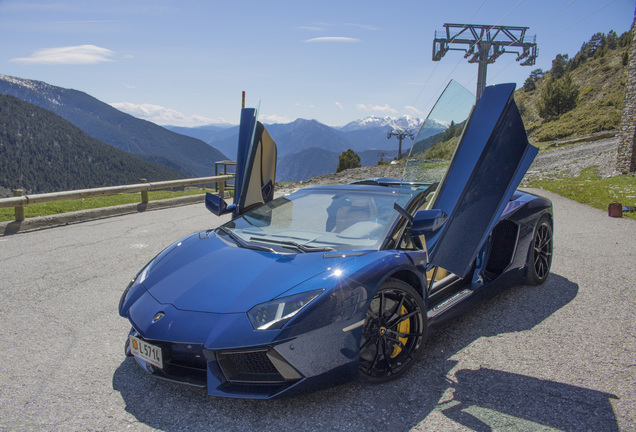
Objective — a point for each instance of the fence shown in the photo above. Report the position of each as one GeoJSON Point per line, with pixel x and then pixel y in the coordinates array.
{"type": "Point", "coordinates": [19, 200]}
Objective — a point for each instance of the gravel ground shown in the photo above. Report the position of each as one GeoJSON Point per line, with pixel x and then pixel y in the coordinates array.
{"type": "Point", "coordinates": [559, 356]}
{"type": "Point", "coordinates": [567, 160]}
{"type": "Point", "coordinates": [571, 159]}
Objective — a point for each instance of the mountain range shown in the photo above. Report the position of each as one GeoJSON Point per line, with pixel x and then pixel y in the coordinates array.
{"type": "Point", "coordinates": [144, 139]}
{"type": "Point", "coordinates": [306, 148]}
{"type": "Point", "coordinates": [41, 152]}
{"type": "Point", "coordinates": [404, 122]}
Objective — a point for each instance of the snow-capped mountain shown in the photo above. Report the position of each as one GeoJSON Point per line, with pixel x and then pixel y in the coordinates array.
{"type": "Point", "coordinates": [404, 122]}
{"type": "Point", "coordinates": [45, 91]}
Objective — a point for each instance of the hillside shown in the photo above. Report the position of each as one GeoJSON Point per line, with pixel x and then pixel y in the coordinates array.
{"type": "Point", "coordinates": [144, 139]}
{"type": "Point", "coordinates": [42, 152]}
{"type": "Point", "coordinates": [308, 163]}
{"type": "Point", "coordinates": [599, 73]}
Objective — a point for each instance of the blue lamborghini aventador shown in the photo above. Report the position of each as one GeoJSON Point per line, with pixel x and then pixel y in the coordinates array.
{"type": "Point", "coordinates": [332, 283]}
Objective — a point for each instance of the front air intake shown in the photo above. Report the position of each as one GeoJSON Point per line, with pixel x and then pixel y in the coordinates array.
{"type": "Point", "coordinates": [256, 367]}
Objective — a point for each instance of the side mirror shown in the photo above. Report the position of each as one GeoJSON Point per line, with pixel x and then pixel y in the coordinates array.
{"type": "Point", "coordinates": [217, 205]}
{"type": "Point", "coordinates": [427, 221]}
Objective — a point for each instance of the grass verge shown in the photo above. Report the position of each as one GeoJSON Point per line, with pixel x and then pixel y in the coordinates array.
{"type": "Point", "coordinates": [56, 207]}
{"type": "Point", "coordinates": [589, 188]}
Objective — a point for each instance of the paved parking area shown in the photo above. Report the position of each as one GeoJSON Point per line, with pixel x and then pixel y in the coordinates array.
{"type": "Point", "coordinates": [560, 356]}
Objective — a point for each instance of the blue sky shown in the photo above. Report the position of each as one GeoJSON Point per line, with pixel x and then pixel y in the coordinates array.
{"type": "Point", "coordinates": [186, 62]}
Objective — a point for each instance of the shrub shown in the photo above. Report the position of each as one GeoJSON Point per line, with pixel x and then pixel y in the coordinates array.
{"type": "Point", "coordinates": [348, 159]}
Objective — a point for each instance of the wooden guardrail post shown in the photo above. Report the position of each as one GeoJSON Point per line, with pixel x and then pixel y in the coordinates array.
{"type": "Point", "coordinates": [221, 187]}
{"type": "Point", "coordinates": [144, 193]}
{"type": "Point", "coordinates": [19, 209]}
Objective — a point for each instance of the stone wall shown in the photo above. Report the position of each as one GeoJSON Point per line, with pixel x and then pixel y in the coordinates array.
{"type": "Point", "coordinates": [626, 160]}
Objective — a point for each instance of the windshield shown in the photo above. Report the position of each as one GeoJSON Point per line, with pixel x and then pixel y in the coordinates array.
{"type": "Point", "coordinates": [313, 220]}
{"type": "Point", "coordinates": [438, 137]}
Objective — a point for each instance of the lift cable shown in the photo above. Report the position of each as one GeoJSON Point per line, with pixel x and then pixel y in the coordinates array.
{"type": "Point", "coordinates": [559, 32]}
{"type": "Point", "coordinates": [433, 94]}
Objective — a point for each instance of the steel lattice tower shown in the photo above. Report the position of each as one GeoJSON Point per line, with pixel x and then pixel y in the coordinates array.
{"type": "Point", "coordinates": [400, 134]}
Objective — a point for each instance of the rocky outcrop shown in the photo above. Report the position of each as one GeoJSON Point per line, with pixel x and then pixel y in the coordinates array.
{"type": "Point", "coordinates": [626, 159]}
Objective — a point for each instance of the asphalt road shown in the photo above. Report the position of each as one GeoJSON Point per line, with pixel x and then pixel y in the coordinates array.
{"type": "Point", "coordinates": [560, 356]}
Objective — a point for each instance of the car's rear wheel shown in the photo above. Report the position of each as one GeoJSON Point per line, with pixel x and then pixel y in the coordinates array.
{"type": "Point", "coordinates": [394, 332]}
{"type": "Point", "coordinates": [540, 259]}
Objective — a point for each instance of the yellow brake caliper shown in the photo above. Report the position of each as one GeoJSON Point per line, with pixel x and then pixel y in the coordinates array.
{"type": "Point", "coordinates": [402, 327]}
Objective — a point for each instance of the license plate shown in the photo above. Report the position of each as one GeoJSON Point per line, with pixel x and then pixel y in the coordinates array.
{"type": "Point", "coordinates": [147, 352]}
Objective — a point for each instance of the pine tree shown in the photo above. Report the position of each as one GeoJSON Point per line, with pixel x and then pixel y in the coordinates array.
{"type": "Point", "coordinates": [530, 83]}
{"type": "Point", "coordinates": [559, 64]}
{"type": "Point", "coordinates": [557, 97]}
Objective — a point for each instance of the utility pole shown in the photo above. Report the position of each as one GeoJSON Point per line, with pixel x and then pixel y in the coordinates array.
{"type": "Point", "coordinates": [485, 44]}
{"type": "Point", "coordinates": [400, 134]}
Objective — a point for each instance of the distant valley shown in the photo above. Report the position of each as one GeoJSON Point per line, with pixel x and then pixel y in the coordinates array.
{"type": "Point", "coordinates": [307, 148]}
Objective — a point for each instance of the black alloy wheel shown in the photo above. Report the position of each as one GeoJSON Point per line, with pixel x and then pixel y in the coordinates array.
{"type": "Point", "coordinates": [541, 253]}
{"type": "Point", "coordinates": [394, 332]}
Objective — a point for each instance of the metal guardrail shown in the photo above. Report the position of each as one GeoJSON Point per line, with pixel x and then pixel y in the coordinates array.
{"type": "Point", "coordinates": [20, 200]}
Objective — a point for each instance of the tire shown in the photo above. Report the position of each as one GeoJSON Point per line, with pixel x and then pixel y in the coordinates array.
{"type": "Point", "coordinates": [540, 257]}
{"type": "Point", "coordinates": [394, 332]}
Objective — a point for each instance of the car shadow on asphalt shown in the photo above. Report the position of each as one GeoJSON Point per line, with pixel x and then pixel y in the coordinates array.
{"type": "Point", "coordinates": [480, 399]}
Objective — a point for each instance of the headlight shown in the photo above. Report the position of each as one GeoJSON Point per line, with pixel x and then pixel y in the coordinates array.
{"type": "Point", "coordinates": [274, 314]}
{"type": "Point", "coordinates": [143, 274]}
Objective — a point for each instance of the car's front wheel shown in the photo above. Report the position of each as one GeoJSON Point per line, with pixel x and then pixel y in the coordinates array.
{"type": "Point", "coordinates": [394, 332]}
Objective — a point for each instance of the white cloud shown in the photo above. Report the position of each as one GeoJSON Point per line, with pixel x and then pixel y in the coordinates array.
{"type": "Point", "coordinates": [273, 119]}
{"type": "Point", "coordinates": [333, 39]}
{"type": "Point", "coordinates": [311, 28]}
{"type": "Point", "coordinates": [198, 120]}
{"type": "Point", "coordinates": [164, 116]}
{"type": "Point", "coordinates": [378, 108]}
{"type": "Point", "coordinates": [413, 110]}
{"type": "Point", "coordinates": [339, 106]}
{"type": "Point", "coordinates": [154, 113]}
{"type": "Point", "coordinates": [80, 54]}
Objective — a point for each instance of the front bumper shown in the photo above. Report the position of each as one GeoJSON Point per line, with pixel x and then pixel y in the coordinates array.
{"type": "Point", "coordinates": [258, 373]}
{"type": "Point", "coordinates": [225, 355]}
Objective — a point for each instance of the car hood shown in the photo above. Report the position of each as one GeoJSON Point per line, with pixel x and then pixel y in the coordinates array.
{"type": "Point", "coordinates": [203, 273]}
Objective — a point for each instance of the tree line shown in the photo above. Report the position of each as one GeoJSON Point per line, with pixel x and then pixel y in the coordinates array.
{"type": "Point", "coordinates": [560, 94]}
